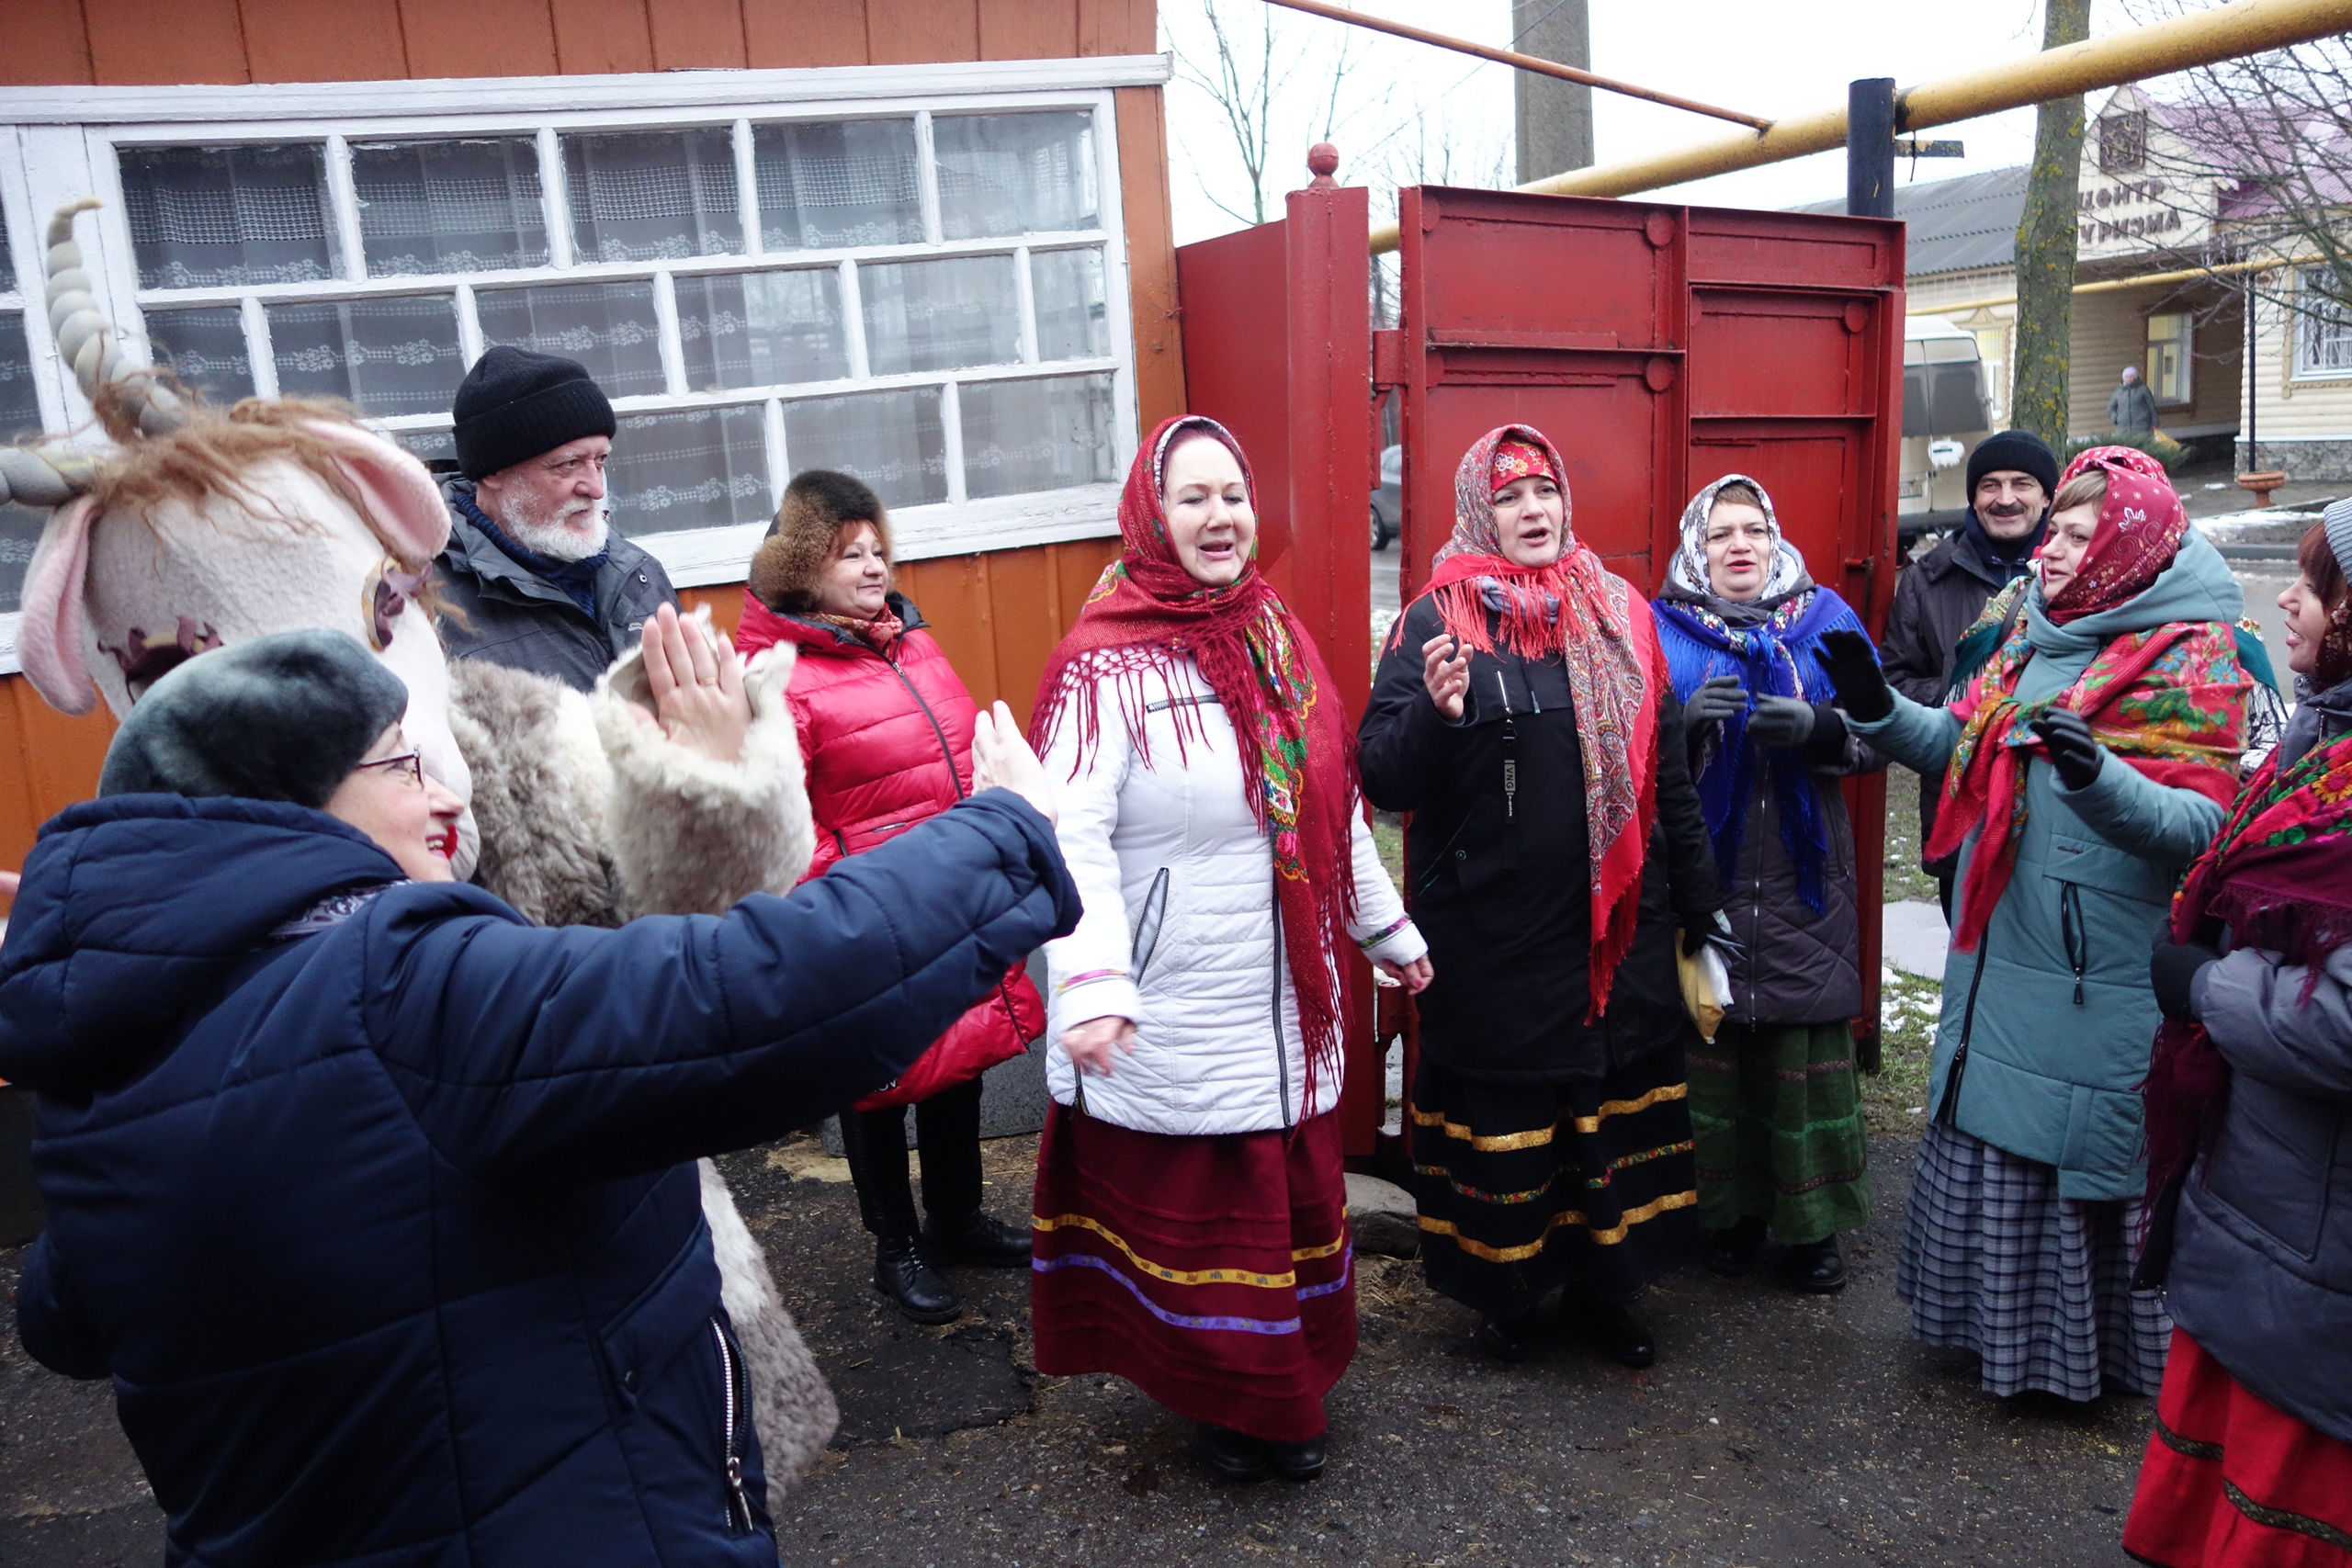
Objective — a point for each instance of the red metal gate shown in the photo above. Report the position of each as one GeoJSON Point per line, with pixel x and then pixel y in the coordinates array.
{"type": "Point", "coordinates": [1658, 345]}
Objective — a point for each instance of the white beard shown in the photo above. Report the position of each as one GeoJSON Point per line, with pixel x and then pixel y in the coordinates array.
{"type": "Point", "coordinates": [558, 536]}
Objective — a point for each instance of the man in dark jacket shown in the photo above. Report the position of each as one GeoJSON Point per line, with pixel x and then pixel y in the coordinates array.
{"type": "Point", "coordinates": [376, 1203]}
{"type": "Point", "coordinates": [2011, 477]}
{"type": "Point", "coordinates": [538, 579]}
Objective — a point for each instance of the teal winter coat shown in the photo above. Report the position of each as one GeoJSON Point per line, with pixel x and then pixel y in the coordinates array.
{"type": "Point", "coordinates": [2054, 1060]}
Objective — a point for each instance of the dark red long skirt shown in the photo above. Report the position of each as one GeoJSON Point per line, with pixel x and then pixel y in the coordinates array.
{"type": "Point", "coordinates": [2231, 1481]}
{"type": "Point", "coordinates": [1213, 1273]}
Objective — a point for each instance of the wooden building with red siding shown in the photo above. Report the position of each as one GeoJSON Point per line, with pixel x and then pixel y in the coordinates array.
{"type": "Point", "coordinates": [926, 241]}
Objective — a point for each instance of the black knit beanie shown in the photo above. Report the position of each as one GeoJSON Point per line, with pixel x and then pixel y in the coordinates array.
{"type": "Point", "coordinates": [513, 405]}
{"type": "Point", "coordinates": [2012, 451]}
{"type": "Point", "coordinates": [280, 718]}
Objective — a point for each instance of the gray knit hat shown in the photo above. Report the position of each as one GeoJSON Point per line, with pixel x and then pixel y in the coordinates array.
{"type": "Point", "coordinates": [2337, 521]}
{"type": "Point", "coordinates": [281, 717]}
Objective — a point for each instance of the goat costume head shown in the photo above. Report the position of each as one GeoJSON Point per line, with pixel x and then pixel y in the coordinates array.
{"type": "Point", "coordinates": [203, 528]}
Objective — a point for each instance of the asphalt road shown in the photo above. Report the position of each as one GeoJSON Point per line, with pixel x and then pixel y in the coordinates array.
{"type": "Point", "coordinates": [1776, 1430]}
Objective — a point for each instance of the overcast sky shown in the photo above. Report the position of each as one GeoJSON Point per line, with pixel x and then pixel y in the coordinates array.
{"type": "Point", "coordinates": [1407, 112]}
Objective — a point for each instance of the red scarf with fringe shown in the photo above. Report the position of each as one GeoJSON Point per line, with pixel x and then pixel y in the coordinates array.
{"type": "Point", "coordinates": [1578, 611]}
{"type": "Point", "coordinates": [1147, 613]}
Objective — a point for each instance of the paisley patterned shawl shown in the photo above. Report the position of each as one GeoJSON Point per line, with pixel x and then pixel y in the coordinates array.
{"type": "Point", "coordinates": [2279, 876]}
{"type": "Point", "coordinates": [2171, 700]}
{"type": "Point", "coordinates": [1580, 612]}
{"type": "Point", "coordinates": [1145, 614]}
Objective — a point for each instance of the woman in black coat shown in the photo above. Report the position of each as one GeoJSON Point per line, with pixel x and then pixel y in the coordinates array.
{"type": "Point", "coordinates": [1521, 713]}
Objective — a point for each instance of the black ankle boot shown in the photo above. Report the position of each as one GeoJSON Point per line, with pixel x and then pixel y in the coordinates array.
{"type": "Point", "coordinates": [1820, 1268]}
{"type": "Point", "coordinates": [1297, 1461]}
{"type": "Point", "coordinates": [1236, 1456]}
{"type": "Point", "coordinates": [1613, 1328]}
{"type": "Point", "coordinates": [1508, 1338]}
{"type": "Point", "coordinates": [900, 1274]}
{"type": "Point", "coordinates": [1732, 1252]}
{"type": "Point", "coordinates": [977, 1239]}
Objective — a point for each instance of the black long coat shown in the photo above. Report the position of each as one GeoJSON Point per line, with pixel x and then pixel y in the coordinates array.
{"type": "Point", "coordinates": [1502, 889]}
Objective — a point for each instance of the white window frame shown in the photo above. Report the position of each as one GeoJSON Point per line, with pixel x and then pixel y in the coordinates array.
{"type": "Point", "coordinates": [59, 143]}
{"type": "Point", "coordinates": [2303, 321]}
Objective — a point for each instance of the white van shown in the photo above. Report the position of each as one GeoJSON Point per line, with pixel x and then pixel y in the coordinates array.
{"type": "Point", "coordinates": [1944, 416]}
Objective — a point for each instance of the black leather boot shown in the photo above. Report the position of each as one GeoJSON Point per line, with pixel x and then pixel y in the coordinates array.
{"type": "Point", "coordinates": [1236, 1456]}
{"type": "Point", "coordinates": [1613, 1328]}
{"type": "Point", "coordinates": [977, 1239]}
{"type": "Point", "coordinates": [1508, 1338]}
{"type": "Point", "coordinates": [1820, 1268]}
{"type": "Point", "coordinates": [1298, 1462]}
{"type": "Point", "coordinates": [1732, 1252]}
{"type": "Point", "coordinates": [900, 1274]}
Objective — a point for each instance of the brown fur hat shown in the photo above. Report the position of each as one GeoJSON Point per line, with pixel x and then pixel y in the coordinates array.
{"type": "Point", "coordinates": [800, 540]}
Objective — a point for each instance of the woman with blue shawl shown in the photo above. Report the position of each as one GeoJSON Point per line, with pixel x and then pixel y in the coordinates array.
{"type": "Point", "coordinates": [1774, 1103]}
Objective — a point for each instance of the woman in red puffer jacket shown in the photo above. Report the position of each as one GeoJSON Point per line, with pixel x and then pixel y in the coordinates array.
{"type": "Point", "coordinates": [885, 727]}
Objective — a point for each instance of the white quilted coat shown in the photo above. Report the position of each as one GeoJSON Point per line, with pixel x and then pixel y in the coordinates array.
{"type": "Point", "coordinates": [1206, 1057]}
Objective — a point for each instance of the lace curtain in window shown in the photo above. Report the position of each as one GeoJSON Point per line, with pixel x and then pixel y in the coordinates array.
{"type": "Point", "coordinates": [823, 187]}
{"type": "Point", "coordinates": [389, 357]}
{"type": "Point", "coordinates": [893, 441]}
{"type": "Point", "coordinates": [653, 194]}
{"type": "Point", "coordinates": [698, 469]}
{"type": "Point", "coordinates": [608, 327]}
{"type": "Point", "coordinates": [20, 414]}
{"type": "Point", "coordinates": [428, 207]}
{"type": "Point", "coordinates": [202, 217]}
{"type": "Point", "coordinates": [762, 328]}
{"type": "Point", "coordinates": [204, 348]}
{"type": "Point", "coordinates": [1049, 434]}
{"type": "Point", "coordinates": [948, 314]}
{"type": "Point", "coordinates": [1014, 173]}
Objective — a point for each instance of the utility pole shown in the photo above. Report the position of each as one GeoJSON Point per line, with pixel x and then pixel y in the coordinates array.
{"type": "Point", "coordinates": [2045, 248]}
{"type": "Point", "coordinates": [1554, 117]}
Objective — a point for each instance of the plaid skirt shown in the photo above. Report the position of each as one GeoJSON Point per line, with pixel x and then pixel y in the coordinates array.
{"type": "Point", "coordinates": [2038, 1286]}
{"type": "Point", "coordinates": [2232, 1482]}
{"type": "Point", "coordinates": [1527, 1187]}
{"type": "Point", "coordinates": [1214, 1273]}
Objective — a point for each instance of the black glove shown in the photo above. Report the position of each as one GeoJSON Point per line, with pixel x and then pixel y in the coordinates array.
{"type": "Point", "coordinates": [1714, 928]}
{"type": "Point", "coordinates": [2172, 969]}
{"type": "Point", "coordinates": [2073, 753]}
{"type": "Point", "coordinates": [1780, 721]}
{"type": "Point", "coordinates": [1852, 665]}
{"type": "Point", "coordinates": [1714, 700]}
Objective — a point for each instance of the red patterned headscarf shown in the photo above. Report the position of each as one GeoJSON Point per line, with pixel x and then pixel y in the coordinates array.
{"type": "Point", "coordinates": [2141, 525]}
{"type": "Point", "coordinates": [1145, 615]}
{"type": "Point", "coordinates": [1578, 611]}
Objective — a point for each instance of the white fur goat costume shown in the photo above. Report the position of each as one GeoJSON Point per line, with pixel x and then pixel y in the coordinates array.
{"type": "Point", "coordinates": [577, 814]}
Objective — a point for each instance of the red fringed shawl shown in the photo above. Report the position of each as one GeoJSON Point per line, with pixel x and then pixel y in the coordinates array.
{"type": "Point", "coordinates": [2280, 876]}
{"type": "Point", "coordinates": [2171, 700]}
{"type": "Point", "coordinates": [1145, 615]}
{"type": "Point", "coordinates": [1578, 610]}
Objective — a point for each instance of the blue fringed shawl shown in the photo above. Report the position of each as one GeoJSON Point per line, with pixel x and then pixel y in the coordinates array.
{"type": "Point", "coordinates": [1774, 656]}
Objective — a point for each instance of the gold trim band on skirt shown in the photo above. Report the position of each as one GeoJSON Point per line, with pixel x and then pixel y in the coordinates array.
{"type": "Point", "coordinates": [1283, 1282]}
{"type": "Point", "coordinates": [1536, 1137]}
{"type": "Point", "coordinates": [1609, 1237]}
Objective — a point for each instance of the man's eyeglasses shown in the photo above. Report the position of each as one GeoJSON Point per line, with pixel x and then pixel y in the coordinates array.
{"type": "Point", "coordinates": [410, 762]}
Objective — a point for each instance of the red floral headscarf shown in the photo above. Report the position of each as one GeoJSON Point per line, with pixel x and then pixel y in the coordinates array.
{"type": "Point", "coordinates": [2141, 525]}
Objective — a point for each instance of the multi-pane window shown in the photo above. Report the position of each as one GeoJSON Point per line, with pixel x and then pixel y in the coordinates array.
{"type": "Point", "coordinates": [2172, 338]}
{"type": "Point", "coordinates": [2324, 325]}
{"type": "Point", "coordinates": [19, 415]}
{"type": "Point", "coordinates": [921, 299]}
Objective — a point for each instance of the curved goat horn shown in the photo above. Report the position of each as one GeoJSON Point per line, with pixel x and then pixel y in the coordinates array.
{"type": "Point", "coordinates": [87, 341]}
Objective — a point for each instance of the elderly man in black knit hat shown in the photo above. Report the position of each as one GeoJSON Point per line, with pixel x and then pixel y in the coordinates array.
{"type": "Point", "coordinates": [2011, 477]}
{"type": "Point", "coordinates": [540, 580]}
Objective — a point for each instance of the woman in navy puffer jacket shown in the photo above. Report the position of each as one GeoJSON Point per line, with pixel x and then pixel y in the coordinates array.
{"type": "Point", "coordinates": [378, 1203]}
{"type": "Point", "coordinates": [887, 729]}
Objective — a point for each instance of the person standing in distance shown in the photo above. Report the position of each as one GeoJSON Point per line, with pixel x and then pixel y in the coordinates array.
{"type": "Point", "coordinates": [2011, 477]}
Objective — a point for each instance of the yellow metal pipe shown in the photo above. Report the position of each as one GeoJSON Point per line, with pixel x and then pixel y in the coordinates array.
{"type": "Point", "coordinates": [2109, 286]}
{"type": "Point", "coordinates": [2224, 32]}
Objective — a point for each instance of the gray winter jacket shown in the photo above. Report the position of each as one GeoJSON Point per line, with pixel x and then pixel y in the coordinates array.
{"type": "Point", "coordinates": [2132, 409]}
{"type": "Point", "coordinates": [2261, 1272]}
{"type": "Point", "coordinates": [510, 617]}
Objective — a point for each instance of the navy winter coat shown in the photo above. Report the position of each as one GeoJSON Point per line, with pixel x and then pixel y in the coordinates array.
{"type": "Point", "coordinates": [388, 1236]}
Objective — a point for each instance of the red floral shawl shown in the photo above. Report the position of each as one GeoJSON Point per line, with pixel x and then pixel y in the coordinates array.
{"type": "Point", "coordinates": [2141, 525]}
{"type": "Point", "coordinates": [1580, 611]}
{"type": "Point", "coordinates": [1299, 762]}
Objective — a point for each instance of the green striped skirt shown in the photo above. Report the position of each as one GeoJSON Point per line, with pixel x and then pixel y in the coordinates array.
{"type": "Point", "coordinates": [1778, 1114]}
{"type": "Point", "coordinates": [1527, 1187]}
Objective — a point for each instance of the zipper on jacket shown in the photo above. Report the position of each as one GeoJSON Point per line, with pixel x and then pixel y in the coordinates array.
{"type": "Point", "coordinates": [1947, 1112]}
{"type": "Point", "coordinates": [1282, 1053]}
{"type": "Point", "coordinates": [730, 1372]}
{"type": "Point", "coordinates": [2072, 932]}
{"type": "Point", "coordinates": [936, 728]}
{"type": "Point", "coordinates": [1511, 754]}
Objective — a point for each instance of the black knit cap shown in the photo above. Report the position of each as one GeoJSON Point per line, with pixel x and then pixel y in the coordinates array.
{"type": "Point", "coordinates": [280, 718]}
{"type": "Point", "coordinates": [513, 405]}
{"type": "Point", "coordinates": [2014, 451]}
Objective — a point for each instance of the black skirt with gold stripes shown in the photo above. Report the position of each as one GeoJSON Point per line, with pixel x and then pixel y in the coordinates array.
{"type": "Point", "coordinates": [1526, 1188]}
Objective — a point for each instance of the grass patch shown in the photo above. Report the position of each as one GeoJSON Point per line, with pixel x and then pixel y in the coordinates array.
{"type": "Point", "coordinates": [1905, 880]}
{"type": "Point", "coordinates": [1894, 1102]}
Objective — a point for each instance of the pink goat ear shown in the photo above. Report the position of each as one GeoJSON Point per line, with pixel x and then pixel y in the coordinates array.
{"type": "Point", "coordinates": [48, 639]}
{"type": "Point", "coordinates": [404, 504]}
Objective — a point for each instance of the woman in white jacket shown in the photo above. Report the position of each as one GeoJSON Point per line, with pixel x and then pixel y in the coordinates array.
{"type": "Point", "coordinates": [1191, 1208]}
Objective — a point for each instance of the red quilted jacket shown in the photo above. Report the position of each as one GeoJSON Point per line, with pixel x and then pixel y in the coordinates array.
{"type": "Point", "coordinates": [888, 742]}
